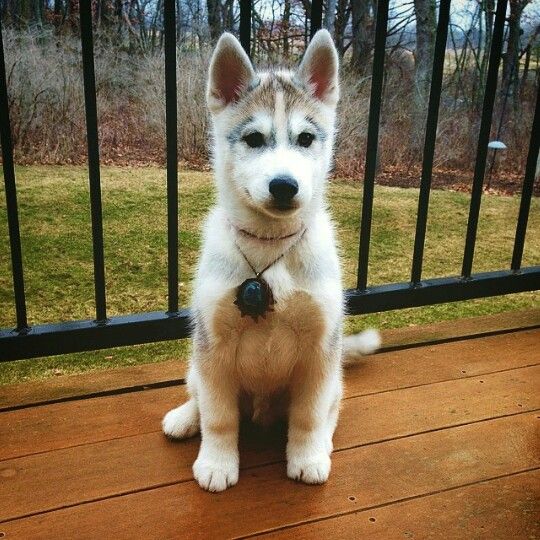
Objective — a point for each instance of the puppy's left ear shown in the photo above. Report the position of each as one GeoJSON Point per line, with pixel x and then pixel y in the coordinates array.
{"type": "Point", "coordinates": [319, 68]}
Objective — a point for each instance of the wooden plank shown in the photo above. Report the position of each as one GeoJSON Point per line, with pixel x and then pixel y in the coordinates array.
{"type": "Point", "coordinates": [412, 410]}
{"type": "Point", "coordinates": [132, 463]}
{"type": "Point", "coordinates": [494, 510]}
{"type": "Point", "coordinates": [461, 328]}
{"type": "Point", "coordinates": [107, 380]}
{"type": "Point", "coordinates": [62, 425]}
{"type": "Point", "coordinates": [433, 363]}
{"type": "Point", "coordinates": [125, 378]}
{"type": "Point", "coordinates": [264, 499]}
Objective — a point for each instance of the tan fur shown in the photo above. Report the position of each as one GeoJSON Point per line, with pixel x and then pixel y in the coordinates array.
{"type": "Point", "coordinates": [266, 352]}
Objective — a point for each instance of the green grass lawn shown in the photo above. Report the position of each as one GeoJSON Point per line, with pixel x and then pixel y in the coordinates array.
{"type": "Point", "coordinates": [55, 228]}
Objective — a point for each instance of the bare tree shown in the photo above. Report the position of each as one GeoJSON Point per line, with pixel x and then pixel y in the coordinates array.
{"type": "Point", "coordinates": [214, 18]}
{"type": "Point", "coordinates": [330, 16]}
{"type": "Point", "coordinates": [425, 43]}
{"type": "Point", "coordinates": [285, 26]}
{"type": "Point", "coordinates": [343, 14]}
{"type": "Point", "coordinates": [362, 33]}
{"type": "Point", "coordinates": [510, 77]}
{"type": "Point", "coordinates": [425, 13]}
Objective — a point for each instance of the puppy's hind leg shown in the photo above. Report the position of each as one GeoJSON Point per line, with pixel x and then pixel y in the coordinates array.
{"type": "Point", "coordinates": [184, 421]}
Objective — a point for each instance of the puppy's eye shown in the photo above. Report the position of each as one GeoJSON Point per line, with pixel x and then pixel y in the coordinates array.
{"type": "Point", "coordinates": [254, 140]}
{"type": "Point", "coordinates": [305, 139]}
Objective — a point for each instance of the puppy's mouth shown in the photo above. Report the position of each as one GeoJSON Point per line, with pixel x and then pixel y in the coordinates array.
{"type": "Point", "coordinates": [282, 208]}
{"type": "Point", "coordinates": [276, 209]}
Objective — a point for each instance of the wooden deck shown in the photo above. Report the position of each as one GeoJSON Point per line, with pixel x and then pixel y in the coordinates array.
{"type": "Point", "coordinates": [437, 439]}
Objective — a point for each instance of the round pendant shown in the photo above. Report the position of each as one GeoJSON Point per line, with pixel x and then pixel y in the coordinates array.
{"type": "Point", "coordinates": [254, 298]}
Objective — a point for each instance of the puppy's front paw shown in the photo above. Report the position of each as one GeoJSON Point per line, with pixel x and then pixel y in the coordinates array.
{"type": "Point", "coordinates": [310, 470]}
{"type": "Point", "coordinates": [182, 422]}
{"type": "Point", "coordinates": [216, 475]}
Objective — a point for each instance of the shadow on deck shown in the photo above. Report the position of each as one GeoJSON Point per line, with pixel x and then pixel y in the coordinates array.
{"type": "Point", "coordinates": [438, 438]}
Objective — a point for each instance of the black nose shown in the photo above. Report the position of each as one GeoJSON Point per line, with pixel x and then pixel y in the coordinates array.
{"type": "Point", "coordinates": [283, 189]}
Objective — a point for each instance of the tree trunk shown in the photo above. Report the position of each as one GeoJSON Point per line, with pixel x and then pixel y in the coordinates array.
{"type": "Point", "coordinates": [285, 27]}
{"type": "Point", "coordinates": [72, 15]}
{"type": "Point", "coordinates": [214, 19]}
{"type": "Point", "coordinates": [362, 34]}
{"type": "Point", "coordinates": [342, 19]}
{"type": "Point", "coordinates": [330, 16]}
{"type": "Point", "coordinates": [307, 20]}
{"type": "Point", "coordinates": [30, 12]}
{"type": "Point", "coordinates": [58, 13]}
{"type": "Point", "coordinates": [425, 43]}
{"type": "Point", "coordinates": [105, 13]}
{"type": "Point", "coordinates": [227, 17]}
{"type": "Point", "coordinates": [510, 76]}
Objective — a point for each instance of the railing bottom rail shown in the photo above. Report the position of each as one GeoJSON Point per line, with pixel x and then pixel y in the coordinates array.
{"type": "Point", "coordinates": [78, 336]}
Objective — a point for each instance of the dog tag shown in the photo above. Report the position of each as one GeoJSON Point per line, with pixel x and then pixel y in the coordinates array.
{"type": "Point", "coordinates": [254, 298]}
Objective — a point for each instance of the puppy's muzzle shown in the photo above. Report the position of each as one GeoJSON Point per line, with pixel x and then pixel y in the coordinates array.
{"type": "Point", "coordinates": [283, 190]}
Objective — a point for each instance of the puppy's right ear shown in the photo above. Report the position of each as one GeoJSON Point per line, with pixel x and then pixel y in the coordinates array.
{"type": "Point", "coordinates": [230, 73]}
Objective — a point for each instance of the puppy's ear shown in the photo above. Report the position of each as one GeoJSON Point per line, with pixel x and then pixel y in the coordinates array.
{"type": "Point", "coordinates": [319, 68]}
{"type": "Point", "coordinates": [230, 73]}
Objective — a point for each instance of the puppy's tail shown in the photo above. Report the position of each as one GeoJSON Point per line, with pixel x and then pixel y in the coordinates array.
{"type": "Point", "coordinates": [366, 342]}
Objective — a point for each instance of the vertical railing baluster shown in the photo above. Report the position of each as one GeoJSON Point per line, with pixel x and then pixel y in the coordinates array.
{"type": "Point", "coordinates": [171, 119]}
{"type": "Point", "coordinates": [526, 192]}
{"type": "Point", "coordinates": [93, 157]}
{"type": "Point", "coordinates": [490, 93]}
{"type": "Point", "coordinates": [245, 25]}
{"type": "Point", "coordinates": [316, 17]}
{"type": "Point", "coordinates": [430, 139]}
{"type": "Point", "coordinates": [372, 142]}
{"type": "Point", "coordinates": [11, 196]}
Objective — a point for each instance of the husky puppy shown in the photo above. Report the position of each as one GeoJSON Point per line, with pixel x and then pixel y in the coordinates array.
{"type": "Point", "coordinates": [273, 136]}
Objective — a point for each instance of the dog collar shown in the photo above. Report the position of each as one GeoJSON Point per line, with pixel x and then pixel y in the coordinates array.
{"type": "Point", "coordinates": [243, 232]}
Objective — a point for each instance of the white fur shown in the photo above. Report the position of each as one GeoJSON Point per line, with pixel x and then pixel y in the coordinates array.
{"type": "Point", "coordinates": [291, 362]}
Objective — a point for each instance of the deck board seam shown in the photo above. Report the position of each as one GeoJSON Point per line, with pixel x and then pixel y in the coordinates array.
{"type": "Point", "coordinates": [453, 339]}
{"type": "Point", "coordinates": [91, 443]}
{"type": "Point", "coordinates": [103, 393]}
{"type": "Point", "coordinates": [93, 500]}
{"type": "Point", "coordinates": [265, 464]}
{"type": "Point", "coordinates": [182, 381]}
{"type": "Point", "coordinates": [323, 518]}
{"type": "Point", "coordinates": [389, 503]}
{"type": "Point", "coordinates": [433, 383]}
{"type": "Point", "coordinates": [434, 430]}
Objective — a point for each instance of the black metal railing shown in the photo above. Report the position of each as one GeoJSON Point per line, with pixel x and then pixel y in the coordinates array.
{"type": "Point", "coordinates": [49, 339]}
